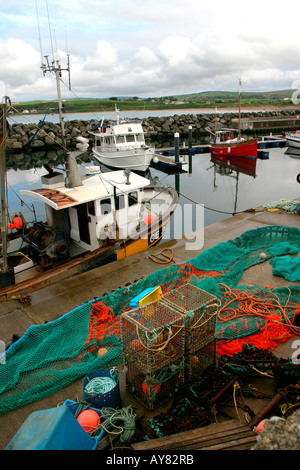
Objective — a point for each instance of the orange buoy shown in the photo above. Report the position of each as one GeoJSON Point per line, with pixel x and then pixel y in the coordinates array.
{"type": "Point", "coordinates": [194, 360]}
{"type": "Point", "coordinates": [152, 391]}
{"type": "Point", "coordinates": [136, 345]}
{"type": "Point", "coordinates": [18, 222]}
{"type": "Point", "coordinates": [260, 427]}
{"type": "Point", "coordinates": [89, 420]}
{"type": "Point", "coordinates": [149, 218]}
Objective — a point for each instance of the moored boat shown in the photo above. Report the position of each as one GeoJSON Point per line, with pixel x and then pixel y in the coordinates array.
{"type": "Point", "coordinates": [230, 142]}
{"type": "Point", "coordinates": [91, 220]}
{"type": "Point", "coordinates": [122, 145]}
{"type": "Point", "coordinates": [293, 139]}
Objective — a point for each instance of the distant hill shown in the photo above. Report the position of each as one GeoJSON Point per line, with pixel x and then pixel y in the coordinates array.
{"type": "Point", "coordinates": [280, 94]}
{"type": "Point", "coordinates": [280, 99]}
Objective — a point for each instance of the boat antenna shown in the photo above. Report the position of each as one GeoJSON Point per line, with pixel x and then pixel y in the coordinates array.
{"type": "Point", "coordinates": [117, 113]}
{"type": "Point", "coordinates": [50, 30]}
{"type": "Point", "coordinates": [240, 87]}
{"type": "Point", "coordinates": [68, 59]}
{"type": "Point", "coordinates": [38, 22]}
{"type": "Point", "coordinates": [216, 119]}
{"type": "Point", "coordinates": [73, 176]}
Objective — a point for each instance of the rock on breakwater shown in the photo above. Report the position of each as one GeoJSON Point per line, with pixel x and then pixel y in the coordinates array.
{"type": "Point", "coordinates": [47, 135]}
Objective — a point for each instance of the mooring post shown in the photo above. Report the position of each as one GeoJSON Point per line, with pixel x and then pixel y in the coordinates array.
{"type": "Point", "coordinates": [176, 145]}
{"type": "Point", "coordinates": [190, 138]}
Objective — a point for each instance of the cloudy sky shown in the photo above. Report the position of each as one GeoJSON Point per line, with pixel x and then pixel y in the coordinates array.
{"type": "Point", "coordinates": [148, 48]}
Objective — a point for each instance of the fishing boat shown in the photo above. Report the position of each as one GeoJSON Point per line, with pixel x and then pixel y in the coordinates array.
{"type": "Point", "coordinates": [230, 142]}
{"type": "Point", "coordinates": [293, 139]}
{"type": "Point", "coordinates": [122, 145]}
{"type": "Point", "coordinates": [91, 220]}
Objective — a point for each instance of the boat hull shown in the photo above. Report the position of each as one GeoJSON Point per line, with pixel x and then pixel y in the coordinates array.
{"type": "Point", "coordinates": [245, 149]}
{"type": "Point", "coordinates": [293, 141]}
{"type": "Point", "coordinates": [135, 159]}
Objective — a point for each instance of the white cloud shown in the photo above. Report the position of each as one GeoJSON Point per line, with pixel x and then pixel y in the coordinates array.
{"type": "Point", "coordinates": [159, 48]}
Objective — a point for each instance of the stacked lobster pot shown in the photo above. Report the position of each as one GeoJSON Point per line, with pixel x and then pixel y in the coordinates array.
{"type": "Point", "coordinates": [198, 308]}
{"type": "Point", "coordinates": [153, 348]}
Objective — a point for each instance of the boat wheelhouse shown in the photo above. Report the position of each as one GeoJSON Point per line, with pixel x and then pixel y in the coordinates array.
{"type": "Point", "coordinates": [122, 145]}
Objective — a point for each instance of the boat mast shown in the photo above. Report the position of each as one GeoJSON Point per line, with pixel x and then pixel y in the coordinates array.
{"type": "Point", "coordinates": [3, 111]}
{"type": "Point", "coordinates": [240, 85]}
{"type": "Point", "coordinates": [117, 114]}
{"type": "Point", "coordinates": [73, 176]}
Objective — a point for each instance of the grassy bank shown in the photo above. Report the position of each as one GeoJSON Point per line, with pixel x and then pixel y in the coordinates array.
{"type": "Point", "coordinates": [210, 100]}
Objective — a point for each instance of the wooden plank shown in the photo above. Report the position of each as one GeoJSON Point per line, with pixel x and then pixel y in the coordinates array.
{"type": "Point", "coordinates": [244, 444]}
{"type": "Point", "coordinates": [205, 437]}
{"type": "Point", "coordinates": [222, 440]}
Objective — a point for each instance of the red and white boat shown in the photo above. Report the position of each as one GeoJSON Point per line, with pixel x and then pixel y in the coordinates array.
{"type": "Point", "coordinates": [228, 142]}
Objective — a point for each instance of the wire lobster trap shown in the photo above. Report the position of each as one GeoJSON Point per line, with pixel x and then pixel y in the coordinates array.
{"type": "Point", "coordinates": [198, 308]}
{"type": "Point", "coordinates": [152, 336]}
{"type": "Point", "coordinates": [154, 389]}
{"type": "Point", "coordinates": [197, 361]}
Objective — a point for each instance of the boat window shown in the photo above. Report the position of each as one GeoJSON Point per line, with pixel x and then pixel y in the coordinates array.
{"type": "Point", "coordinates": [105, 206]}
{"type": "Point", "coordinates": [130, 138]}
{"type": "Point", "coordinates": [132, 198]}
{"type": "Point", "coordinates": [120, 202]}
{"type": "Point", "coordinates": [91, 208]}
{"type": "Point", "coordinates": [140, 137]}
{"type": "Point", "coordinates": [120, 139]}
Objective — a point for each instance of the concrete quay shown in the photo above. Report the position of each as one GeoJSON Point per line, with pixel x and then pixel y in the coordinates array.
{"type": "Point", "coordinates": [51, 302]}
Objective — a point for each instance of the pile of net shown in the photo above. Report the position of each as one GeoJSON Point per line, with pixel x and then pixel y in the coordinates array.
{"type": "Point", "coordinates": [51, 356]}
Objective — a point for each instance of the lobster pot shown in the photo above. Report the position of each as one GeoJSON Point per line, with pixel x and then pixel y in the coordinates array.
{"type": "Point", "coordinates": [199, 309]}
{"type": "Point", "coordinates": [152, 336]}
{"type": "Point", "coordinates": [154, 389]}
{"type": "Point", "coordinates": [196, 362]}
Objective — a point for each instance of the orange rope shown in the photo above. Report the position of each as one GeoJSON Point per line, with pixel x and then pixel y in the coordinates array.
{"type": "Point", "coordinates": [168, 258]}
{"type": "Point", "coordinates": [249, 305]}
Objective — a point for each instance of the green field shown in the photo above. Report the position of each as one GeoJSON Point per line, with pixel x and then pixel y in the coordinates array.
{"type": "Point", "coordinates": [196, 100]}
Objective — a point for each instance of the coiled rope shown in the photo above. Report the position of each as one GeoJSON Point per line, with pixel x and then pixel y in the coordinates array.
{"type": "Point", "coordinates": [249, 305]}
{"type": "Point", "coordinates": [119, 422]}
{"type": "Point", "coordinates": [100, 385]}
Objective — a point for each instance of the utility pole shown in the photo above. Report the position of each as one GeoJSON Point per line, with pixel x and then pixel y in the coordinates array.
{"type": "Point", "coordinates": [73, 176]}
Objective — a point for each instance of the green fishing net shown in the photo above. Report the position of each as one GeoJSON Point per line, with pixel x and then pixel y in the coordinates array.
{"type": "Point", "coordinates": [48, 357]}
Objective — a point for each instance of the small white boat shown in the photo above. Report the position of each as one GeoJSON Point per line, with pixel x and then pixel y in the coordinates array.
{"type": "Point", "coordinates": [122, 145]}
{"type": "Point", "coordinates": [293, 139]}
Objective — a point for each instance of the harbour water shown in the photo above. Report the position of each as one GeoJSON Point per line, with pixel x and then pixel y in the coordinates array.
{"type": "Point", "coordinates": [220, 190]}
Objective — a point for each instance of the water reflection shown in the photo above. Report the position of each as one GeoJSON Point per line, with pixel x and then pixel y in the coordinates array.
{"type": "Point", "coordinates": [223, 187]}
{"type": "Point", "coordinates": [293, 152]}
{"type": "Point", "coordinates": [232, 167]}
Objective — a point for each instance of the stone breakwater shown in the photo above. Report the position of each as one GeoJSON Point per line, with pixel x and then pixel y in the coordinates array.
{"type": "Point", "coordinates": [46, 135]}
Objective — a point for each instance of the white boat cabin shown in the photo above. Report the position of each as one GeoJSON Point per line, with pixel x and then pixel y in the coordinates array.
{"type": "Point", "coordinates": [119, 137]}
{"type": "Point", "coordinates": [105, 206]}
{"type": "Point", "coordinates": [226, 135]}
